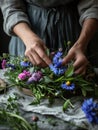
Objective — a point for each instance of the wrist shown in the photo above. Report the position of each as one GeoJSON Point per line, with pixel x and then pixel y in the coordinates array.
{"type": "Point", "coordinates": [24, 32]}
{"type": "Point", "coordinates": [80, 46]}
{"type": "Point", "coordinates": [82, 42]}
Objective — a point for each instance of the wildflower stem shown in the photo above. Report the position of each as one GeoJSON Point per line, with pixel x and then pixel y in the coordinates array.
{"type": "Point", "coordinates": [12, 85]}
{"type": "Point", "coordinates": [18, 117]}
{"type": "Point", "coordinates": [69, 101]}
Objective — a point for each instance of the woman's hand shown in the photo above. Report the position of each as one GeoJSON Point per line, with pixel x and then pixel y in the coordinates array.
{"type": "Point", "coordinates": [77, 52]}
{"type": "Point", "coordinates": [80, 61]}
{"type": "Point", "coordinates": [36, 52]}
{"type": "Point", "coordinates": [35, 47]}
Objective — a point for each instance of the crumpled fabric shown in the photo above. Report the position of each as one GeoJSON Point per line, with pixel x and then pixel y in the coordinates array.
{"type": "Point", "coordinates": [71, 119]}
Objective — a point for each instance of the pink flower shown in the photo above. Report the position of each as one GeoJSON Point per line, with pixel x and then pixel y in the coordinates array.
{"type": "Point", "coordinates": [22, 76]}
{"type": "Point", "coordinates": [3, 64]}
{"type": "Point", "coordinates": [25, 74]}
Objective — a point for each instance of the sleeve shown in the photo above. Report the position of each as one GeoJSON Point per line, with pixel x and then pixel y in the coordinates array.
{"type": "Point", "coordinates": [14, 12]}
{"type": "Point", "coordinates": [87, 9]}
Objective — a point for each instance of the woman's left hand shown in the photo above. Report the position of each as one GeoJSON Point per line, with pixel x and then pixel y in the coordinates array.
{"type": "Point", "coordinates": [76, 54]}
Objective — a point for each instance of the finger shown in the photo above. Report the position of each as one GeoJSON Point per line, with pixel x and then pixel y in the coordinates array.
{"type": "Point", "coordinates": [43, 56]}
{"type": "Point", "coordinates": [39, 61]}
{"type": "Point", "coordinates": [67, 58]}
{"type": "Point", "coordinates": [32, 59]}
{"type": "Point", "coordinates": [81, 70]}
{"type": "Point", "coordinates": [81, 61]}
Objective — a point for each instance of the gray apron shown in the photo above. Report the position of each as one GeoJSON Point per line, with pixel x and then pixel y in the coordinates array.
{"type": "Point", "coordinates": [55, 26]}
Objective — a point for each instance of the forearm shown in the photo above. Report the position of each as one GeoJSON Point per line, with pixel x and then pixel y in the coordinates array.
{"type": "Point", "coordinates": [89, 28]}
{"type": "Point", "coordinates": [35, 47]}
{"type": "Point", "coordinates": [25, 33]}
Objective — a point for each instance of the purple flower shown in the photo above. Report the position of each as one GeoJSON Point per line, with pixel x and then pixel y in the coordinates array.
{"type": "Point", "coordinates": [90, 109]}
{"type": "Point", "coordinates": [24, 64]}
{"type": "Point", "coordinates": [39, 75]}
{"type": "Point", "coordinates": [3, 64]}
{"type": "Point", "coordinates": [68, 85]}
{"type": "Point", "coordinates": [36, 76]}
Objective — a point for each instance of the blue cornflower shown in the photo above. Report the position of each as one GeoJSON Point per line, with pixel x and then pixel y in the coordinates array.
{"type": "Point", "coordinates": [58, 65]}
{"type": "Point", "coordinates": [12, 66]}
{"type": "Point", "coordinates": [58, 54]}
{"type": "Point", "coordinates": [61, 70]}
{"type": "Point", "coordinates": [54, 69]}
{"type": "Point", "coordinates": [25, 64]}
{"type": "Point", "coordinates": [57, 57]}
{"type": "Point", "coordinates": [90, 109]}
{"type": "Point", "coordinates": [68, 85]}
{"type": "Point", "coordinates": [57, 71]}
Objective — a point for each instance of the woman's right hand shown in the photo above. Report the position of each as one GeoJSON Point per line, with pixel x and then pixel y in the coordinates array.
{"type": "Point", "coordinates": [35, 47]}
{"type": "Point", "coordinates": [36, 52]}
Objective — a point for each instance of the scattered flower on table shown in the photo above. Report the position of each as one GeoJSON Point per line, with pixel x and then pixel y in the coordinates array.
{"type": "Point", "coordinates": [90, 109]}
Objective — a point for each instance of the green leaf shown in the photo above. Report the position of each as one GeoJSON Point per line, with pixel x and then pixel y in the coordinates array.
{"type": "Point", "coordinates": [59, 79]}
{"type": "Point", "coordinates": [69, 72]}
{"type": "Point", "coordinates": [47, 52]}
{"type": "Point", "coordinates": [88, 88]}
{"type": "Point", "coordinates": [66, 104]}
{"type": "Point", "coordinates": [47, 79]}
{"type": "Point", "coordinates": [24, 126]}
{"type": "Point", "coordinates": [83, 92]}
{"type": "Point", "coordinates": [65, 44]}
{"type": "Point", "coordinates": [31, 69]}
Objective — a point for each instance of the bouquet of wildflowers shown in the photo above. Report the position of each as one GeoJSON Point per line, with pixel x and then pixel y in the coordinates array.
{"type": "Point", "coordinates": [55, 81]}
{"type": "Point", "coordinates": [50, 82]}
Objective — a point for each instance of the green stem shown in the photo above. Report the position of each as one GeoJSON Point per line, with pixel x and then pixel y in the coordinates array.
{"type": "Point", "coordinates": [11, 85]}
{"type": "Point", "coordinates": [69, 101]}
{"type": "Point", "coordinates": [19, 117]}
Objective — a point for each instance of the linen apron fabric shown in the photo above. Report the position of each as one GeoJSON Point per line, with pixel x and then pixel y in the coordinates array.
{"type": "Point", "coordinates": [53, 25]}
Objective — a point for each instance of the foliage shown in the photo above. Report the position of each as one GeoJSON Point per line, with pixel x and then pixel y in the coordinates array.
{"type": "Point", "coordinates": [10, 116]}
{"type": "Point", "coordinates": [54, 81]}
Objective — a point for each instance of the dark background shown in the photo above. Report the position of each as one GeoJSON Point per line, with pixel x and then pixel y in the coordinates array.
{"type": "Point", "coordinates": [4, 39]}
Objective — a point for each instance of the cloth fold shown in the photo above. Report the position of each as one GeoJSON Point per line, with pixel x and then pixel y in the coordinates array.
{"type": "Point", "coordinates": [72, 118]}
